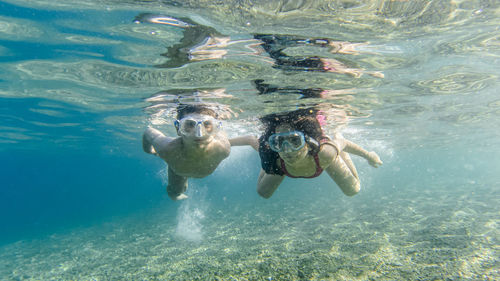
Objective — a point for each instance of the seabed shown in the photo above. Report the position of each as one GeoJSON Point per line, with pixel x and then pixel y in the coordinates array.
{"type": "Point", "coordinates": [410, 234]}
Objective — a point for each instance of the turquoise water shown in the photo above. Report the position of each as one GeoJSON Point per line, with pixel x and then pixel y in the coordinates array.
{"type": "Point", "coordinates": [81, 80]}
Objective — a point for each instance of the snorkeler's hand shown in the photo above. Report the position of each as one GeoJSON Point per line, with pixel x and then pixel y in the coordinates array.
{"type": "Point", "coordinates": [374, 159]}
{"type": "Point", "coordinates": [255, 143]}
{"type": "Point", "coordinates": [147, 146]}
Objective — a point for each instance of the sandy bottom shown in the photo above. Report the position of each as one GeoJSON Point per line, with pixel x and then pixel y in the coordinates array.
{"type": "Point", "coordinates": [418, 234]}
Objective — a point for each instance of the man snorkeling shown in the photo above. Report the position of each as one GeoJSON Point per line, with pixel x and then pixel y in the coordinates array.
{"type": "Point", "coordinates": [199, 149]}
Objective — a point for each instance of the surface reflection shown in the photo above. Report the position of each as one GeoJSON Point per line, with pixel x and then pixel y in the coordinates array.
{"type": "Point", "coordinates": [305, 93]}
{"type": "Point", "coordinates": [276, 45]}
{"type": "Point", "coordinates": [200, 43]}
{"type": "Point", "coordinates": [336, 104]}
{"type": "Point", "coordinates": [164, 104]}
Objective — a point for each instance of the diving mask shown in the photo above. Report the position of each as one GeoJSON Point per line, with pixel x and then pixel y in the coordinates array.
{"type": "Point", "coordinates": [287, 141]}
{"type": "Point", "coordinates": [198, 126]}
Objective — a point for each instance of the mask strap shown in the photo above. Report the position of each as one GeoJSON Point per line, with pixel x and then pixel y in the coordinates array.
{"type": "Point", "coordinates": [312, 142]}
{"type": "Point", "coordinates": [176, 124]}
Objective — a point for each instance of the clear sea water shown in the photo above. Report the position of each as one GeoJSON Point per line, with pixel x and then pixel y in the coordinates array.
{"type": "Point", "coordinates": [80, 200]}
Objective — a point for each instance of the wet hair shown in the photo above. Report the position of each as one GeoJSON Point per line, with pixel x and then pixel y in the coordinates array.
{"type": "Point", "coordinates": [186, 109]}
{"type": "Point", "coordinates": [303, 120]}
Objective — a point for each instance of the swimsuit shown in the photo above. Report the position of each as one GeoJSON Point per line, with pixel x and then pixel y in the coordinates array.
{"type": "Point", "coordinates": [318, 172]}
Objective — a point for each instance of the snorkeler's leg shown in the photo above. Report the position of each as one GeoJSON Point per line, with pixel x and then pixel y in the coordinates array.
{"type": "Point", "coordinates": [348, 161]}
{"type": "Point", "coordinates": [267, 184]}
{"type": "Point", "coordinates": [177, 185]}
{"type": "Point", "coordinates": [340, 172]}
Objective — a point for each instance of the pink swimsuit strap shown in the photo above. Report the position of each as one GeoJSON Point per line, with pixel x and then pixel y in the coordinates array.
{"type": "Point", "coordinates": [319, 170]}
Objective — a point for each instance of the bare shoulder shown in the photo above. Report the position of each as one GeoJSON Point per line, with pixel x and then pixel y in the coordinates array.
{"type": "Point", "coordinates": [168, 146]}
{"type": "Point", "coordinates": [327, 155]}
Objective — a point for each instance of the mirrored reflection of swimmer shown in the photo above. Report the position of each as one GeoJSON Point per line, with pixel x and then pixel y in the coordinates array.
{"type": "Point", "coordinates": [198, 43]}
{"type": "Point", "coordinates": [201, 42]}
{"type": "Point", "coordinates": [304, 93]}
{"type": "Point", "coordinates": [334, 103]}
{"type": "Point", "coordinates": [293, 144]}
{"type": "Point", "coordinates": [265, 89]}
{"type": "Point", "coordinates": [164, 102]}
{"type": "Point", "coordinates": [200, 147]}
{"type": "Point", "coordinates": [275, 46]}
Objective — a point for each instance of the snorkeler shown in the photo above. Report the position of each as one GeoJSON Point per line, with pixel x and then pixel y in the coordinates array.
{"type": "Point", "coordinates": [199, 149]}
{"type": "Point", "coordinates": [294, 145]}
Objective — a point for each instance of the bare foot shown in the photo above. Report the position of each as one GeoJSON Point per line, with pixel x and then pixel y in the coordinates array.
{"type": "Point", "coordinates": [182, 196]}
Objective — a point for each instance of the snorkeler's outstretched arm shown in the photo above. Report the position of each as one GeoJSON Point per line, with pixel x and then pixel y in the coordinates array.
{"type": "Point", "coordinates": [339, 145]}
{"type": "Point", "coordinates": [370, 156]}
{"type": "Point", "coordinates": [222, 146]}
{"type": "Point", "coordinates": [250, 140]}
{"type": "Point", "coordinates": [268, 183]}
{"type": "Point", "coordinates": [153, 141]}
